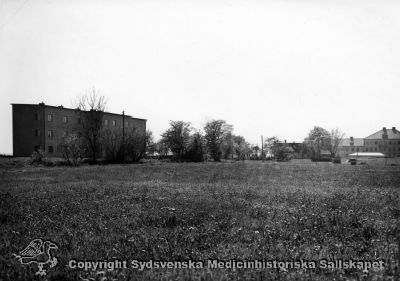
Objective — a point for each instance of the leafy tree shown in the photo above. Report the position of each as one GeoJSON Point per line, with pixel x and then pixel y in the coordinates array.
{"type": "Point", "coordinates": [196, 149]}
{"type": "Point", "coordinates": [279, 150]}
{"type": "Point", "coordinates": [255, 149]}
{"type": "Point", "coordinates": [161, 147]}
{"type": "Point", "coordinates": [271, 144]}
{"type": "Point", "coordinates": [282, 153]}
{"type": "Point", "coordinates": [318, 139]}
{"type": "Point", "coordinates": [227, 146]}
{"type": "Point", "coordinates": [177, 138]}
{"type": "Point", "coordinates": [254, 152]}
{"type": "Point", "coordinates": [216, 132]}
{"type": "Point", "coordinates": [241, 147]}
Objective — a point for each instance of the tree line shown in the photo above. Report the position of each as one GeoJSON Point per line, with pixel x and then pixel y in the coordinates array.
{"type": "Point", "coordinates": [189, 144]}
{"type": "Point", "coordinates": [218, 142]}
{"type": "Point", "coordinates": [182, 142]}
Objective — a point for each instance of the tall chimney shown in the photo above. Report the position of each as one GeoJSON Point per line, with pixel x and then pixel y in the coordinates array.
{"type": "Point", "coordinates": [384, 135]}
{"type": "Point", "coordinates": [394, 130]}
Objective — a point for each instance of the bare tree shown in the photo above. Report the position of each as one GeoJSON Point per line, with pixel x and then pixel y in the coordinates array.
{"type": "Point", "coordinates": [336, 138]}
{"type": "Point", "coordinates": [91, 110]}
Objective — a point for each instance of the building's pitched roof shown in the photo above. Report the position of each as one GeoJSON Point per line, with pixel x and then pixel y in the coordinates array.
{"type": "Point", "coordinates": [357, 142]}
{"type": "Point", "coordinates": [392, 133]}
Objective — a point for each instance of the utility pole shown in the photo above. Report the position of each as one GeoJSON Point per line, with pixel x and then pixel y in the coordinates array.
{"type": "Point", "coordinates": [123, 136]}
{"type": "Point", "coordinates": [44, 127]}
{"type": "Point", "coordinates": [262, 148]}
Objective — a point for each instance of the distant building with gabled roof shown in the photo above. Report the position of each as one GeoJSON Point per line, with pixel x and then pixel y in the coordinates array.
{"type": "Point", "coordinates": [350, 145]}
{"type": "Point", "coordinates": [386, 141]}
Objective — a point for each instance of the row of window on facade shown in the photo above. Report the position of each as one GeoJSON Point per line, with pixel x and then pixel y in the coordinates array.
{"type": "Point", "coordinates": [382, 142]}
{"type": "Point", "coordinates": [50, 133]}
{"type": "Point", "coordinates": [65, 120]}
{"type": "Point", "coordinates": [371, 149]}
{"type": "Point", "coordinates": [389, 149]}
{"type": "Point", "coordinates": [114, 123]}
{"type": "Point", "coordinates": [50, 118]}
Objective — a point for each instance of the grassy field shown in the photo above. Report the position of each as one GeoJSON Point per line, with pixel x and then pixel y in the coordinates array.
{"type": "Point", "coordinates": [168, 211]}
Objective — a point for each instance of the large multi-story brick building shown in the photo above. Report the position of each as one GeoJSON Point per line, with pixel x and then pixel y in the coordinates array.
{"type": "Point", "coordinates": [40, 126]}
{"type": "Point", "coordinates": [350, 145]}
{"type": "Point", "coordinates": [386, 141]}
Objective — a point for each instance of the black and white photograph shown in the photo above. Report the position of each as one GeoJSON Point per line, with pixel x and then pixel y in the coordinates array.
{"type": "Point", "coordinates": [204, 140]}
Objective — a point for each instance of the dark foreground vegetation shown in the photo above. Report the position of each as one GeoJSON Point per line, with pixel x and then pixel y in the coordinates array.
{"type": "Point", "coordinates": [169, 211]}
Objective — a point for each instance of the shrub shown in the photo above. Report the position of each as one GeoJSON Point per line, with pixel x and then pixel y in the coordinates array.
{"type": "Point", "coordinates": [135, 144]}
{"type": "Point", "coordinates": [112, 145]}
{"type": "Point", "coordinates": [37, 157]}
{"type": "Point", "coordinates": [132, 148]}
{"type": "Point", "coordinates": [72, 148]}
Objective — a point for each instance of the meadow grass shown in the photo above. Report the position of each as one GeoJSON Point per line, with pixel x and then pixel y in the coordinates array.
{"type": "Point", "coordinates": [171, 211]}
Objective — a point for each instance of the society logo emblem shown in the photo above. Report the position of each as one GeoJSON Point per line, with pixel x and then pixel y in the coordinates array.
{"type": "Point", "coordinates": [38, 252]}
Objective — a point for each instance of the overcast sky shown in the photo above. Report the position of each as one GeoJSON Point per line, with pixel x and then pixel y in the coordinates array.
{"type": "Point", "coordinates": [266, 67]}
